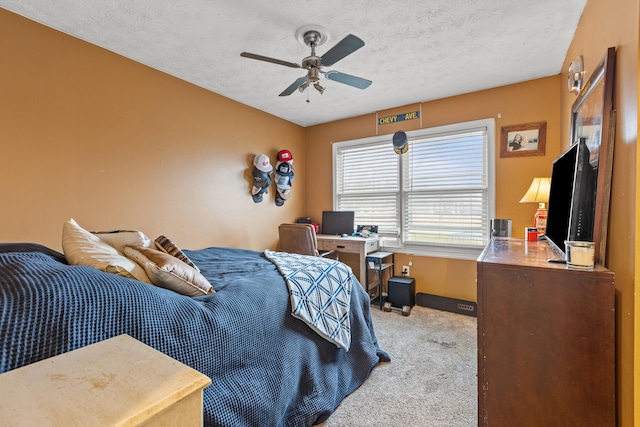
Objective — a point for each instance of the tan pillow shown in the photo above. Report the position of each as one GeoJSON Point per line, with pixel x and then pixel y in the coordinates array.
{"type": "Point", "coordinates": [84, 248]}
{"type": "Point", "coordinates": [166, 245]}
{"type": "Point", "coordinates": [169, 272]}
{"type": "Point", "coordinates": [121, 238]}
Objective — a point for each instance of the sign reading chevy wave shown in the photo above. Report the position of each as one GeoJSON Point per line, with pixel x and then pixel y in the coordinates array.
{"type": "Point", "coordinates": [399, 118]}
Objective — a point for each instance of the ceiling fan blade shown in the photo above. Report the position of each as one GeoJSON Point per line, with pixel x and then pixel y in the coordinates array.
{"type": "Point", "coordinates": [344, 47]}
{"type": "Point", "coordinates": [295, 85]}
{"type": "Point", "coordinates": [272, 60]}
{"type": "Point", "coordinates": [347, 79]}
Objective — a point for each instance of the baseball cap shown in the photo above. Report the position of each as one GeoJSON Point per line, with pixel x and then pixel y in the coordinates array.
{"type": "Point", "coordinates": [261, 161]}
{"type": "Point", "coordinates": [400, 144]}
{"type": "Point", "coordinates": [283, 176]}
{"type": "Point", "coordinates": [284, 168]}
{"type": "Point", "coordinates": [284, 156]}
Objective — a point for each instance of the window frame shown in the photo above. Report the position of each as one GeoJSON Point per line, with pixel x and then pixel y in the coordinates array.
{"type": "Point", "coordinates": [470, 252]}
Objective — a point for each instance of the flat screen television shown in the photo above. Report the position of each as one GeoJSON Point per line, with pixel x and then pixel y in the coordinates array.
{"type": "Point", "coordinates": [338, 222]}
{"type": "Point", "coordinates": [572, 197]}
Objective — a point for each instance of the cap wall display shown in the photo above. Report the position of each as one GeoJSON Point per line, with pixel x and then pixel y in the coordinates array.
{"type": "Point", "coordinates": [283, 176]}
{"type": "Point", "coordinates": [261, 177]}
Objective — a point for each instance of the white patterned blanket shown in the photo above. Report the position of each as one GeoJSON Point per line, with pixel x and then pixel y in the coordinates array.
{"type": "Point", "coordinates": [320, 293]}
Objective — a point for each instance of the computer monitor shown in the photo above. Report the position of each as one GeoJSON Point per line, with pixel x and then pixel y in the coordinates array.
{"type": "Point", "coordinates": [338, 222]}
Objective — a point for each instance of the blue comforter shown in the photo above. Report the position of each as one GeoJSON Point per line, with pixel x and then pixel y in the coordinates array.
{"type": "Point", "coordinates": [267, 367]}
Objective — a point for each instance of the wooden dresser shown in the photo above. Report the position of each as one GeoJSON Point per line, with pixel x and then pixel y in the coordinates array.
{"type": "Point", "coordinates": [116, 382]}
{"type": "Point", "coordinates": [546, 339]}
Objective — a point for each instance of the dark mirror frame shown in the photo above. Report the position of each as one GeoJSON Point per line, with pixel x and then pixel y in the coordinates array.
{"type": "Point", "coordinates": [594, 118]}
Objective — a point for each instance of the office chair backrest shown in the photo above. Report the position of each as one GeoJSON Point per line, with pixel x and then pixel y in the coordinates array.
{"type": "Point", "coordinates": [298, 239]}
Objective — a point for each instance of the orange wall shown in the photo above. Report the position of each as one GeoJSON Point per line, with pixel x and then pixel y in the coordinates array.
{"type": "Point", "coordinates": [92, 135]}
{"type": "Point", "coordinates": [604, 24]}
{"type": "Point", "coordinates": [532, 101]}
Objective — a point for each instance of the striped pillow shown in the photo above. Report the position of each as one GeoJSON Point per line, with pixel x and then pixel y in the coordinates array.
{"type": "Point", "coordinates": [169, 272]}
{"type": "Point", "coordinates": [167, 246]}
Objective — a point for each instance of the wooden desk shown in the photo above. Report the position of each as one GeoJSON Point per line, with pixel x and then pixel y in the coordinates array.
{"type": "Point", "coordinates": [119, 381]}
{"type": "Point", "coordinates": [353, 245]}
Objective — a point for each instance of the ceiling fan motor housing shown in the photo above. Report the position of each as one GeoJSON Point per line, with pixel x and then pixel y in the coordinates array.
{"type": "Point", "coordinates": [311, 62]}
{"type": "Point", "coordinates": [311, 38]}
{"type": "Point", "coordinates": [314, 75]}
{"type": "Point", "coordinates": [317, 33]}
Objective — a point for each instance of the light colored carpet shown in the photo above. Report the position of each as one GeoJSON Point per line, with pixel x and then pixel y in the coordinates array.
{"type": "Point", "coordinates": [431, 380]}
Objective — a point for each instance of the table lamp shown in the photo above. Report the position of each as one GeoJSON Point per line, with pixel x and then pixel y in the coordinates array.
{"type": "Point", "coordinates": [538, 192]}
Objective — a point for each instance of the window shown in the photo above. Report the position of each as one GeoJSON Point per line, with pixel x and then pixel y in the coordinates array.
{"type": "Point", "coordinates": [435, 200]}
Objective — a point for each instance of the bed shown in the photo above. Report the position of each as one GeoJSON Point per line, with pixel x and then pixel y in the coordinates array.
{"type": "Point", "coordinates": [267, 367]}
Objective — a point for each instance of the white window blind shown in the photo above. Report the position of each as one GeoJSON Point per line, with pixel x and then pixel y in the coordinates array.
{"type": "Point", "coordinates": [436, 199]}
{"type": "Point", "coordinates": [368, 183]}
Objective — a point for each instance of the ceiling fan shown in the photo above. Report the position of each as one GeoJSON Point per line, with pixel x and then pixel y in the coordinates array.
{"type": "Point", "coordinates": [314, 36]}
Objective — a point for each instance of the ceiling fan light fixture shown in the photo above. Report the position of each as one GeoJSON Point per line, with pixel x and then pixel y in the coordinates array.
{"type": "Point", "coordinates": [304, 86]}
{"type": "Point", "coordinates": [319, 88]}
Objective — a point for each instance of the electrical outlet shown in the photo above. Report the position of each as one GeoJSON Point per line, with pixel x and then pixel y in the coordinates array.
{"type": "Point", "coordinates": [467, 307]}
{"type": "Point", "coordinates": [406, 270]}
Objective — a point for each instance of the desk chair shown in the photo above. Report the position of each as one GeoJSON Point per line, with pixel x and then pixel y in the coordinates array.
{"type": "Point", "coordinates": [301, 239]}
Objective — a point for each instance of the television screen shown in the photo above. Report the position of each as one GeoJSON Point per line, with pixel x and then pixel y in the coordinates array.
{"type": "Point", "coordinates": [338, 222]}
{"type": "Point", "coordinates": [571, 198]}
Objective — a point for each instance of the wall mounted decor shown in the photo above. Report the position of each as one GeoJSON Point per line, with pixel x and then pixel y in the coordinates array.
{"type": "Point", "coordinates": [283, 176]}
{"type": "Point", "coordinates": [575, 74]}
{"type": "Point", "coordinates": [523, 140]}
{"type": "Point", "coordinates": [261, 177]}
{"type": "Point", "coordinates": [594, 118]}
{"type": "Point", "coordinates": [400, 143]}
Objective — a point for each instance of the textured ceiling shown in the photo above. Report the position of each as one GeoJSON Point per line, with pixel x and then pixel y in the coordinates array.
{"type": "Point", "coordinates": [415, 50]}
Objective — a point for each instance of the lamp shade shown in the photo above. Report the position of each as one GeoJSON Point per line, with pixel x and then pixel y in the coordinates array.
{"type": "Point", "coordinates": [538, 191]}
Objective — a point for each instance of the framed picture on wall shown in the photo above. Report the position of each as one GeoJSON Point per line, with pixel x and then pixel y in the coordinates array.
{"type": "Point", "coordinates": [593, 117]}
{"type": "Point", "coordinates": [523, 140]}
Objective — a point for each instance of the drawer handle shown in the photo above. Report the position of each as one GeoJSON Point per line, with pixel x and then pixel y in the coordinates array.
{"type": "Point", "coordinates": [340, 246]}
